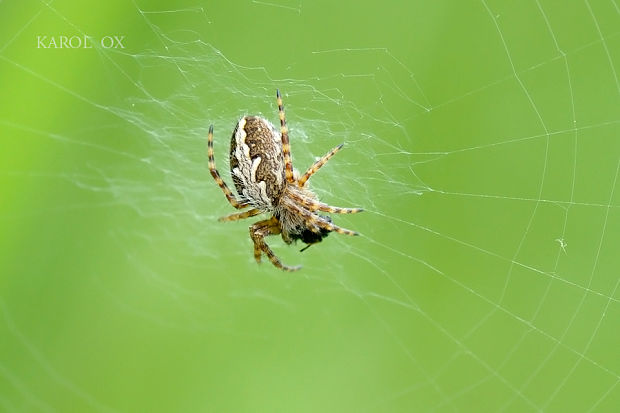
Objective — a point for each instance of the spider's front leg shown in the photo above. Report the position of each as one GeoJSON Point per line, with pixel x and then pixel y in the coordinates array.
{"type": "Point", "coordinates": [258, 232]}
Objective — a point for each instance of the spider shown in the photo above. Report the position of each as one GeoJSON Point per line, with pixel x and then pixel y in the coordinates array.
{"type": "Point", "coordinates": [263, 174]}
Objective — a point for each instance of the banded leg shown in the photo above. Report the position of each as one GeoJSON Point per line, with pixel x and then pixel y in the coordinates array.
{"type": "Point", "coordinates": [286, 146]}
{"type": "Point", "coordinates": [240, 215]}
{"type": "Point", "coordinates": [258, 232]}
{"type": "Point", "coordinates": [316, 221]}
{"type": "Point", "coordinates": [314, 205]}
{"type": "Point", "coordinates": [216, 175]}
{"type": "Point", "coordinates": [317, 165]}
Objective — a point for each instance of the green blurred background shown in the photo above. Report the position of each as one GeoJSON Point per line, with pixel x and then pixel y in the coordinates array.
{"type": "Point", "coordinates": [482, 138]}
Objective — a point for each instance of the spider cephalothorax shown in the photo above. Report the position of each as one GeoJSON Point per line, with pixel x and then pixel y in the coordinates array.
{"type": "Point", "coordinates": [263, 174]}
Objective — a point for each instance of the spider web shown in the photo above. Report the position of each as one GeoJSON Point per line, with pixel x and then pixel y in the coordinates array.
{"type": "Point", "coordinates": [481, 138]}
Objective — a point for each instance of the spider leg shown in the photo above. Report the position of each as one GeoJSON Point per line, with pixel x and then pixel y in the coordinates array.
{"type": "Point", "coordinates": [216, 175]}
{"type": "Point", "coordinates": [317, 165]}
{"type": "Point", "coordinates": [314, 205]}
{"type": "Point", "coordinates": [258, 232]}
{"type": "Point", "coordinates": [241, 215]}
{"type": "Point", "coordinates": [316, 221]}
{"type": "Point", "coordinates": [286, 146]}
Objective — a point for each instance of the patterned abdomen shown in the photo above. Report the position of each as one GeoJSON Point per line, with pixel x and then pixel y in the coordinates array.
{"type": "Point", "coordinates": [256, 162]}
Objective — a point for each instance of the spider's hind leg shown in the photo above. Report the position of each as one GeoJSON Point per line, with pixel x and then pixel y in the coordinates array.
{"type": "Point", "coordinates": [216, 175]}
{"type": "Point", "coordinates": [317, 165]}
{"type": "Point", "coordinates": [241, 215]}
{"type": "Point", "coordinates": [286, 146]}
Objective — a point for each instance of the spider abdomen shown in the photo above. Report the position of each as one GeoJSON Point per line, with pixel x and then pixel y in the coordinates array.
{"type": "Point", "coordinates": [256, 162]}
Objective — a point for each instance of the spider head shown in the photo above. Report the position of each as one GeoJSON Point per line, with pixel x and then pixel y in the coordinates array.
{"type": "Point", "coordinates": [310, 237]}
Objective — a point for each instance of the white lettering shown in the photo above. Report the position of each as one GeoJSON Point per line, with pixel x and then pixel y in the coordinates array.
{"type": "Point", "coordinates": [79, 42]}
{"type": "Point", "coordinates": [40, 44]}
{"type": "Point", "coordinates": [119, 41]}
{"type": "Point", "coordinates": [108, 39]}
